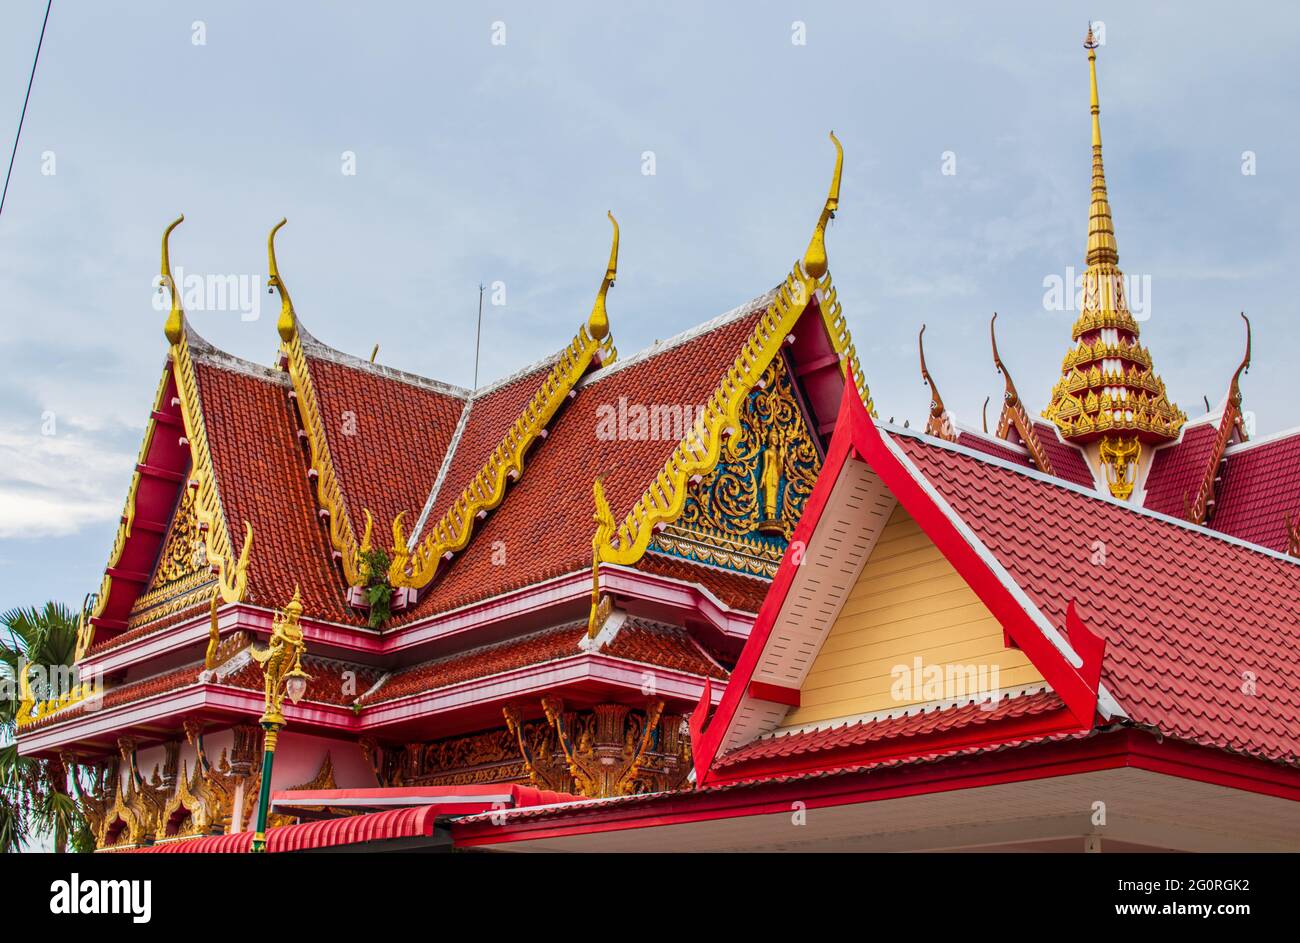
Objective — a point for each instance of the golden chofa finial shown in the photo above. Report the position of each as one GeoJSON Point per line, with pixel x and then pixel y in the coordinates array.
{"type": "Point", "coordinates": [287, 325]}
{"type": "Point", "coordinates": [174, 327]}
{"type": "Point", "coordinates": [814, 260]}
{"type": "Point", "coordinates": [598, 323]}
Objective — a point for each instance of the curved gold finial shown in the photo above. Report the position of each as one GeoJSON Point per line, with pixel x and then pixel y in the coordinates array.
{"type": "Point", "coordinates": [814, 260]}
{"type": "Point", "coordinates": [598, 323]}
{"type": "Point", "coordinates": [174, 327]}
{"type": "Point", "coordinates": [287, 325]}
{"type": "Point", "coordinates": [937, 423]}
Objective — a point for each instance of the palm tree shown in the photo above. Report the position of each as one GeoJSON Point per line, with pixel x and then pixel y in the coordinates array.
{"type": "Point", "coordinates": [34, 799]}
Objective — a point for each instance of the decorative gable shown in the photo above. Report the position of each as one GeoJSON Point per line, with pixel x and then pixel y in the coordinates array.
{"type": "Point", "coordinates": [741, 515]}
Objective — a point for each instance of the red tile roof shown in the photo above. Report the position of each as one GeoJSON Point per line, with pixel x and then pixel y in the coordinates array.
{"type": "Point", "coordinates": [1067, 460]}
{"type": "Point", "coordinates": [491, 414]}
{"type": "Point", "coordinates": [387, 438]}
{"type": "Point", "coordinates": [991, 446]}
{"type": "Point", "coordinates": [148, 628]}
{"type": "Point", "coordinates": [1177, 470]}
{"type": "Point", "coordinates": [638, 641]}
{"type": "Point", "coordinates": [126, 693]}
{"type": "Point", "coordinates": [1202, 633]}
{"type": "Point", "coordinates": [1260, 486]}
{"type": "Point", "coordinates": [544, 526]}
{"type": "Point", "coordinates": [261, 476]}
{"type": "Point", "coordinates": [534, 649]}
{"type": "Point", "coordinates": [907, 726]}
{"type": "Point", "coordinates": [664, 646]}
{"type": "Point", "coordinates": [741, 592]}
{"type": "Point", "coordinates": [332, 682]}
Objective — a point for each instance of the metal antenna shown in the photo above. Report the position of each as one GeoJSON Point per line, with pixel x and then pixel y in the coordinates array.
{"type": "Point", "coordinates": [478, 335]}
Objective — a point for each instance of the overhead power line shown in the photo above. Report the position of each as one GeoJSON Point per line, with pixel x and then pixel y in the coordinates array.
{"type": "Point", "coordinates": [31, 78]}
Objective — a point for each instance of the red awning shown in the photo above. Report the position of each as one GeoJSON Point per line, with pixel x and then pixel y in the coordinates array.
{"type": "Point", "coordinates": [415, 822]}
{"type": "Point", "coordinates": [407, 812]}
{"type": "Point", "coordinates": [448, 800]}
{"type": "Point", "coordinates": [236, 843]}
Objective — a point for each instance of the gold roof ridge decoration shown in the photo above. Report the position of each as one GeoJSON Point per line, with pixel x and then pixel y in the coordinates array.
{"type": "Point", "coordinates": [1197, 509]}
{"type": "Point", "coordinates": [699, 452]}
{"type": "Point", "coordinates": [937, 423]}
{"type": "Point", "coordinates": [1108, 391]}
{"type": "Point", "coordinates": [415, 561]}
{"type": "Point", "coordinates": [231, 570]}
{"type": "Point", "coordinates": [329, 493]}
{"type": "Point", "coordinates": [1013, 410]}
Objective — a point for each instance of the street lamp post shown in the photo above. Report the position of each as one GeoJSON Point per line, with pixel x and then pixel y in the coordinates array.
{"type": "Point", "coordinates": [282, 674]}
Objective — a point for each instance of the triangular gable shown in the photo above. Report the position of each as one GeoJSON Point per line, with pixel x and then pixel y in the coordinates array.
{"type": "Point", "coordinates": [865, 477]}
{"type": "Point", "coordinates": [910, 632]}
{"type": "Point", "coordinates": [740, 516]}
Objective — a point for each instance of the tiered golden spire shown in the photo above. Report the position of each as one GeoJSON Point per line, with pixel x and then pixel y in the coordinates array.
{"type": "Point", "coordinates": [1108, 392]}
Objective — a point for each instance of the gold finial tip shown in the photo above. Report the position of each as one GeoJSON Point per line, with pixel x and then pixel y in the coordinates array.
{"type": "Point", "coordinates": [174, 326]}
{"type": "Point", "coordinates": [598, 323]}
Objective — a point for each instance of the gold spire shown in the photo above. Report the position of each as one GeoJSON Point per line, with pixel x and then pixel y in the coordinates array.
{"type": "Point", "coordinates": [598, 323]}
{"type": "Point", "coordinates": [1109, 393]}
{"type": "Point", "coordinates": [814, 260]}
{"type": "Point", "coordinates": [1101, 229]}
{"type": "Point", "coordinates": [287, 325]}
{"type": "Point", "coordinates": [174, 327]}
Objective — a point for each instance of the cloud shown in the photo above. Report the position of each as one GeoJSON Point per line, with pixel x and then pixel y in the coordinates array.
{"type": "Point", "coordinates": [55, 485]}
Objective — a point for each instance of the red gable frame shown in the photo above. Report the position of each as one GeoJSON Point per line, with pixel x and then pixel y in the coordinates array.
{"type": "Point", "coordinates": [1071, 664]}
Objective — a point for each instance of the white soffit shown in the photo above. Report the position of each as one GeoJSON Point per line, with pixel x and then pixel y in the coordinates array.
{"type": "Point", "coordinates": [850, 524]}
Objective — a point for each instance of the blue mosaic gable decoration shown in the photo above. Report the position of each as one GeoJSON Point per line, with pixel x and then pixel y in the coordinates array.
{"type": "Point", "coordinates": [741, 515]}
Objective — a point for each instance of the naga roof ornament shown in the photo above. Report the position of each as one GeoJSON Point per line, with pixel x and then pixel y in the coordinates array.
{"type": "Point", "coordinates": [329, 493]}
{"type": "Point", "coordinates": [1108, 392]}
{"type": "Point", "coordinates": [938, 423]}
{"type": "Point", "coordinates": [416, 559]}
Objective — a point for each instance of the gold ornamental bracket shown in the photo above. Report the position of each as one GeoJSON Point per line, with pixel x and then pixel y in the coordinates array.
{"type": "Point", "coordinates": [1013, 410]}
{"type": "Point", "coordinates": [416, 565]}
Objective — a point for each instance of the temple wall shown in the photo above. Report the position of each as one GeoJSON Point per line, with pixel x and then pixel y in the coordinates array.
{"type": "Point", "coordinates": [299, 757]}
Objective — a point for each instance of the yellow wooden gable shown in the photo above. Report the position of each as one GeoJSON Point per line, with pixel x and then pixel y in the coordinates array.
{"type": "Point", "coordinates": [910, 632]}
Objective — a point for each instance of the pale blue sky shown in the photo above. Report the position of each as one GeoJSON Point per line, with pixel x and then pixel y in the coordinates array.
{"type": "Point", "coordinates": [481, 162]}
